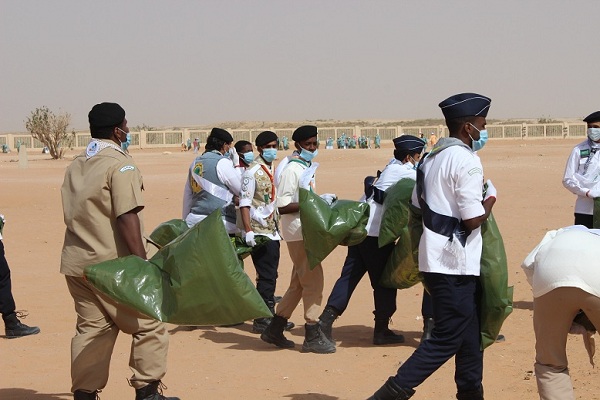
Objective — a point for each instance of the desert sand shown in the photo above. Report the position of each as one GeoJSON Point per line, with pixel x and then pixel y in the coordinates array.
{"type": "Point", "coordinates": [233, 363]}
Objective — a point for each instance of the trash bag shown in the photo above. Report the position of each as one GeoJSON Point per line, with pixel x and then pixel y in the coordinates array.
{"type": "Point", "coordinates": [402, 268]}
{"type": "Point", "coordinates": [596, 223]}
{"type": "Point", "coordinates": [497, 296]}
{"type": "Point", "coordinates": [196, 279]}
{"type": "Point", "coordinates": [324, 227]}
{"type": "Point", "coordinates": [395, 211]}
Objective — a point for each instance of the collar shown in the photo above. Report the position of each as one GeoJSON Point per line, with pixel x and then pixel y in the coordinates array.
{"type": "Point", "coordinates": [97, 145]}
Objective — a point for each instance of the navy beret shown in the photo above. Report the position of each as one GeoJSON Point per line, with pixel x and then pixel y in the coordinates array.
{"type": "Point", "coordinates": [465, 105]}
{"type": "Point", "coordinates": [106, 115]}
{"type": "Point", "coordinates": [593, 117]}
{"type": "Point", "coordinates": [409, 143]}
{"type": "Point", "coordinates": [265, 137]}
{"type": "Point", "coordinates": [304, 132]}
{"type": "Point", "coordinates": [221, 134]}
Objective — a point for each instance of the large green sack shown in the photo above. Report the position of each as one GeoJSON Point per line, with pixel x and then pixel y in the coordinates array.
{"type": "Point", "coordinates": [596, 223]}
{"type": "Point", "coordinates": [497, 296]}
{"type": "Point", "coordinates": [394, 217]}
{"type": "Point", "coordinates": [324, 227]}
{"type": "Point", "coordinates": [197, 279]}
{"type": "Point", "coordinates": [402, 268]}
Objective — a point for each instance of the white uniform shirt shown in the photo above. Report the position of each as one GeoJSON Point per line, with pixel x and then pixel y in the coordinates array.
{"type": "Point", "coordinates": [565, 258]}
{"type": "Point", "coordinates": [453, 187]}
{"type": "Point", "coordinates": [287, 192]}
{"type": "Point", "coordinates": [391, 174]}
{"type": "Point", "coordinates": [578, 182]}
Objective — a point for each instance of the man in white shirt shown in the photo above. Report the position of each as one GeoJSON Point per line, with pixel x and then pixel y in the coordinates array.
{"type": "Point", "coordinates": [582, 172]}
{"type": "Point", "coordinates": [306, 284]}
{"type": "Point", "coordinates": [449, 192]}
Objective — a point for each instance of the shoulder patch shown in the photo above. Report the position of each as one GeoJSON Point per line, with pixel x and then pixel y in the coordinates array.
{"type": "Point", "coordinates": [474, 171]}
{"type": "Point", "coordinates": [584, 153]}
{"type": "Point", "coordinates": [127, 168]}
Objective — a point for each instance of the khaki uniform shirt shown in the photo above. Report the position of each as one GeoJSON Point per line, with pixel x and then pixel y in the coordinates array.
{"type": "Point", "coordinates": [97, 190]}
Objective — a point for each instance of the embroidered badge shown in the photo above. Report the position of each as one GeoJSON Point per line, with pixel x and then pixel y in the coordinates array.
{"type": "Point", "coordinates": [127, 168]}
{"type": "Point", "coordinates": [91, 149]}
{"type": "Point", "coordinates": [474, 171]}
{"type": "Point", "coordinates": [198, 170]}
{"type": "Point", "coordinates": [584, 153]}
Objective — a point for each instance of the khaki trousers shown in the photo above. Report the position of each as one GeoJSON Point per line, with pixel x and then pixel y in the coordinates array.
{"type": "Point", "coordinates": [305, 284]}
{"type": "Point", "coordinates": [99, 320]}
{"type": "Point", "coordinates": [553, 314]}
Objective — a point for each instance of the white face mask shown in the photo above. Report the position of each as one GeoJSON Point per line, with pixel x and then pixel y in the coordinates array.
{"type": "Point", "coordinates": [593, 134]}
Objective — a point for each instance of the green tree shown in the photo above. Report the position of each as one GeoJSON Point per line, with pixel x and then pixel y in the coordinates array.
{"type": "Point", "coordinates": [51, 130]}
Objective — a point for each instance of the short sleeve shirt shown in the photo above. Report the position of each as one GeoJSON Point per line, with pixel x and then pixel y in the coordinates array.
{"type": "Point", "coordinates": [95, 192]}
{"type": "Point", "coordinates": [288, 192]}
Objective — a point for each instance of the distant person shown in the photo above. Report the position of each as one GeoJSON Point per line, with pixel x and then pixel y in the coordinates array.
{"type": "Point", "coordinates": [582, 171]}
{"type": "Point", "coordinates": [13, 328]}
{"type": "Point", "coordinates": [432, 139]}
{"type": "Point", "coordinates": [102, 198]}
{"type": "Point", "coordinates": [329, 143]}
{"type": "Point", "coordinates": [449, 192]}
{"type": "Point", "coordinates": [377, 141]}
{"type": "Point", "coordinates": [285, 142]}
{"type": "Point", "coordinates": [213, 182]}
{"type": "Point", "coordinates": [306, 284]}
{"type": "Point", "coordinates": [368, 257]}
{"type": "Point", "coordinates": [196, 145]}
{"type": "Point", "coordinates": [563, 273]}
{"type": "Point", "coordinates": [188, 144]}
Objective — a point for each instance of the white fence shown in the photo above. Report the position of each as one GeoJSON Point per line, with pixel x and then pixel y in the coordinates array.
{"type": "Point", "coordinates": [174, 138]}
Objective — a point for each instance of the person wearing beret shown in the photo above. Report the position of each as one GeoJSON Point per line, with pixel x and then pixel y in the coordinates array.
{"type": "Point", "coordinates": [368, 257]}
{"type": "Point", "coordinates": [102, 198]}
{"type": "Point", "coordinates": [213, 182]}
{"type": "Point", "coordinates": [449, 192]}
{"type": "Point", "coordinates": [259, 217]}
{"type": "Point", "coordinates": [305, 284]}
{"type": "Point", "coordinates": [582, 171]}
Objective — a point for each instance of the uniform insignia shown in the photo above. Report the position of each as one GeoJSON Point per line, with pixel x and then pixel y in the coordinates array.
{"type": "Point", "coordinates": [127, 168]}
{"type": "Point", "coordinates": [260, 172]}
{"type": "Point", "coordinates": [474, 171]}
{"type": "Point", "coordinates": [91, 149]}
{"type": "Point", "coordinates": [584, 153]}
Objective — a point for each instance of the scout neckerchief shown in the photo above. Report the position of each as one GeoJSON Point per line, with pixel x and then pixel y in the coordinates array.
{"type": "Point", "coordinates": [96, 146]}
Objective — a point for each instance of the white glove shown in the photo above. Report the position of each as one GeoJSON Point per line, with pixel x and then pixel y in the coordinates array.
{"type": "Point", "coordinates": [330, 198]}
{"type": "Point", "coordinates": [254, 215]}
{"type": "Point", "coordinates": [250, 239]}
{"type": "Point", "coordinates": [490, 191]}
{"type": "Point", "coordinates": [234, 156]}
{"type": "Point", "coordinates": [594, 192]}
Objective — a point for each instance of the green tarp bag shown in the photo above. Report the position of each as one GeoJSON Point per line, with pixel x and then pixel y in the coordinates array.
{"type": "Point", "coordinates": [170, 230]}
{"type": "Point", "coordinates": [402, 268]}
{"type": "Point", "coordinates": [324, 227]}
{"type": "Point", "coordinates": [497, 296]}
{"type": "Point", "coordinates": [596, 222]}
{"type": "Point", "coordinates": [196, 279]}
{"type": "Point", "coordinates": [394, 217]}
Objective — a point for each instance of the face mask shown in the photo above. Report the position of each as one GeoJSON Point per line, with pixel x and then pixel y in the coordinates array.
{"type": "Point", "coordinates": [227, 154]}
{"type": "Point", "coordinates": [248, 157]}
{"type": "Point", "coordinates": [593, 134]}
{"type": "Point", "coordinates": [126, 134]}
{"type": "Point", "coordinates": [269, 154]}
{"type": "Point", "coordinates": [483, 138]}
{"type": "Point", "coordinates": [307, 155]}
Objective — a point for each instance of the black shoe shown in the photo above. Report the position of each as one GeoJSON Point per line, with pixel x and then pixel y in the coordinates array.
{"type": "Point", "coordinates": [277, 299]}
{"type": "Point", "coordinates": [391, 391]}
{"type": "Point", "coordinates": [274, 333]}
{"type": "Point", "coordinates": [387, 336]}
{"type": "Point", "coordinates": [260, 324]}
{"type": "Point", "coordinates": [500, 338]}
{"type": "Point", "coordinates": [81, 395]}
{"type": "Point", "coordinates": [326, 319]}
{"type": "Point", "coordinates": [315, 341]}
{"type": "Point", "coordinates": [152, 391]}
{"type": "Point", "coordinates": [15, 328]}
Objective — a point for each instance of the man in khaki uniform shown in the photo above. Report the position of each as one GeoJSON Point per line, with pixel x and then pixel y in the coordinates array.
{"type": "Point", "coordinates": [102, 196]}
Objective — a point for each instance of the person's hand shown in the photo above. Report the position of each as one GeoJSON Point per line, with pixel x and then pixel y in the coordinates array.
{"type": "Point", "coordinates": [330, 198]}
{"type": "Point", "coordinates": [235, 157]}
{"type": "Point", "coordinates": [250, 239]}
{"type": "Point", "coordinates": [254, 215]}
{"type": "Point", "coordinates": [594, 192]}
{"type": "Point", "coordinates": [490, 191]}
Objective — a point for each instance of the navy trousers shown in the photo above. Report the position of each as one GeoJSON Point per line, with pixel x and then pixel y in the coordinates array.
{"type": "Point", "coordinates": [586, 220]}
{"type": "Point", "coordinates": [7, 302]}
{"type": "Point", "coordinates": [266, 263]}
{"type": "Point", "coordinates": [455, 301]}
{"type": "Point", "coordinates": [362, 258]}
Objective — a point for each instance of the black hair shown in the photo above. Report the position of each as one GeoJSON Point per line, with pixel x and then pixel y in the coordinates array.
{"type": "Point", "coordinates": [400, 155]}
{"type": "Point", "coordinates": [455, 125]}
{"type": "Point", "coordinates": [214, 143]}
{"type": "Point", "coordinates": [102, 133]}
{"type": "Point", "coordinates": [240, 144]}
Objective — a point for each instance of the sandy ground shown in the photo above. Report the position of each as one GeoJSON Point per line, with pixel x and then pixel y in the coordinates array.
{"type": "Point", "coordinates": [232, 363]}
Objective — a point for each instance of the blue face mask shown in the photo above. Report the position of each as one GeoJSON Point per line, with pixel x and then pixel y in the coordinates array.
{"type": "Point", "coordinates": [307, 155]}
{"type": "Point", "coordinates": [593, 134]}
{"type": "Point", "coordinates": [269, 154]}
{"type": "Point", "coordinates": [483, 138]}
{"type": "Point", "coordinates": [248, 157]}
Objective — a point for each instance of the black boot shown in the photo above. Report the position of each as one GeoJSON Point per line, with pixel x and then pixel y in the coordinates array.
{"type": "Point", "coordinates": [152, 391]}
{"type": "Point", "coordinates": [428, 325]}
{"type": "Point", "coordinates": [315, 341]}
{"type": "Point", "coordinates": [81, 395]}
{"type": "Point", "coordinates": [391, 391]}
{"type": "Point", "coordinates": [15, 329]}
{"type": "Point", "coordinates": [383, 334]}
{"type": "Point", "coordinates": [274, 333]}
{"type": "Point", "coordinates": [260, 324]}
{"type": "Point", "coordinates": [326, 321]}
{"type": "Point", "coordinates": [470, 395]}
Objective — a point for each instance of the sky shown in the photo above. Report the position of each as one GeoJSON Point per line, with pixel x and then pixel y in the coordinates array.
{"type": "Point", "coordinates": [201, 62]}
